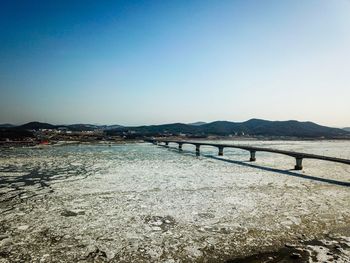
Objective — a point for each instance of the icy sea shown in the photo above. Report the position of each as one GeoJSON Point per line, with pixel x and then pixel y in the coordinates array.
{"type": "Point", "coordinates": [146, 203]}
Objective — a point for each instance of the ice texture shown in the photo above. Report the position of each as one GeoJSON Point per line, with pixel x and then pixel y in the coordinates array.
{"type": "Point", "coordinates": [146, 203]}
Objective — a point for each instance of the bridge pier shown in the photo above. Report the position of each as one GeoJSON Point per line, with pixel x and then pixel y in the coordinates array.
{"type": "Point", "coordinates": [180, 146]}
{"type": "Point", "coordinates": [252, 156]}
{"type": "Point", "coordinates": [221, 151]}
{"type": "Point", "coordinates": [197, 149]}
{"type": "Point", "coordinates": [299, 163]}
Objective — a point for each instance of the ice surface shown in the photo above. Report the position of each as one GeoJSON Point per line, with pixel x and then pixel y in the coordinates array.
{"type": "Point", "coordinates": [142, 203]}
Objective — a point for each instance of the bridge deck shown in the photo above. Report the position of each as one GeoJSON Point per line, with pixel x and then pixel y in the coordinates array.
{"type": "Point", "coordinates": [297, 155]}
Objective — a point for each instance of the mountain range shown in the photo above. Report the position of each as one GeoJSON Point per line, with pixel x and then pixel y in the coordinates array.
{"type": "Point", "coordinates": [253, 127]}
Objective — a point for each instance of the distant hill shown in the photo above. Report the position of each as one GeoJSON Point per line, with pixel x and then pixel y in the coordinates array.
{"type": "Point", "coordinates": [91, 127]}
{"type": "Point", "coordinates": [81, 127]}
{"type": "Point", "coordinates": [254, 127]}
{"type": "Point", "coordinates": [6, 125]}
{"type": "Point", "coordinates": [198, 123]}
{"type": "Point", "coordinates": [35, 125]}
{"type": "Point", "coordinates": [164, 128]}
{"type": "Point", "coordinates": [347, 129]}
{"type": "Point", "coordinates": [41, 125]}
{"type": "Point", "coordinates": [111, 127]}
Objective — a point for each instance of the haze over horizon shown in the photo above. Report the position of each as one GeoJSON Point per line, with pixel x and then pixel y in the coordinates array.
{"type": "Point", "coordinates": [154, 62]}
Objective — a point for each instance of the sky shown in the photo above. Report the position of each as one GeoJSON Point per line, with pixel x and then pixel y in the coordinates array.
{"type": "Point", "coordinates": [151, 62]}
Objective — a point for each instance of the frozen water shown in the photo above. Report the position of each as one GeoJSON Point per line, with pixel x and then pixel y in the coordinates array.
{"type": "Point", "coordinates": [141, 203]}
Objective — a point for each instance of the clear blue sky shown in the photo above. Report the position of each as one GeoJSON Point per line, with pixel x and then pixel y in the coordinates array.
{"type": "Point", "coordinates": [150, 62]}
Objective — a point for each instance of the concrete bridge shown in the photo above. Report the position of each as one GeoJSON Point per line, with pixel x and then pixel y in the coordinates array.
{"type": "Point", "coordinates": [297, 155]}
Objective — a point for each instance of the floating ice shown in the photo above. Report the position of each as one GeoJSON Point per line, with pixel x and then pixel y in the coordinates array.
{"type": "Point", "coordinates": [142, 203]}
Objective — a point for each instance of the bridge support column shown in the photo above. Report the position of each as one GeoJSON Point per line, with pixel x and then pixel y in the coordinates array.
{"type": "Point", "coordinates": [197, 149]}
{"type": "Point", "coordinates": [221, 151]}
{"type": "Point", "coordinates": [252, 156]}
{"type": "Point", "coordinates": [180, 146]}
{"type": "Point", "coordinates": [299, 164]}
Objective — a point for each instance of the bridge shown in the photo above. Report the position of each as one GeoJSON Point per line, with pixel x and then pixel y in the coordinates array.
{"type": "Point", "coordinates": [297, 155]}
